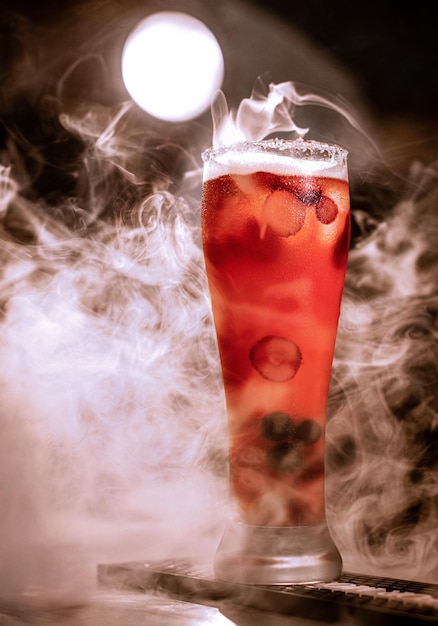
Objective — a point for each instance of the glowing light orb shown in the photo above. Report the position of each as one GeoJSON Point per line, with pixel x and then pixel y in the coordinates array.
{"type": "Point", "coordinates": [172, 65]}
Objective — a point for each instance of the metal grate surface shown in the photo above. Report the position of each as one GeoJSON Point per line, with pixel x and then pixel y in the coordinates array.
{"type": "Point", "coordinates": [356, 597]}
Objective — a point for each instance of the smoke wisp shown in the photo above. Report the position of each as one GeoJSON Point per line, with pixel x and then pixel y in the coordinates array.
{"type": "Point", "coordinates": [382, 484]}
{"type": "Point", "coordinates": [110, 391]}
{"type": "Point", "coordinates": [112, 425]}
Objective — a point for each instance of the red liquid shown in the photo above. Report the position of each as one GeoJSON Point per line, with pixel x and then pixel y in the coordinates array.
{"type": "Point", "coordinates": [276, 251]}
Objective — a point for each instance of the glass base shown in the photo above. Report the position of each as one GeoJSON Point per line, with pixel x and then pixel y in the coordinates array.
{"type": "Point", "coordinates": [272, 555]}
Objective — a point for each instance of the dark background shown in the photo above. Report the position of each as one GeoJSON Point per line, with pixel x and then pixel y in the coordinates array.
{"type": "Point", "coordinates": [387, 52]}
{"type": "Point", "coordinates": [391, 46]}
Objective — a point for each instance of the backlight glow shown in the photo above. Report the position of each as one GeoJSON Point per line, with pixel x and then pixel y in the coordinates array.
{"type": "Point", "coordinates": [172, 65]}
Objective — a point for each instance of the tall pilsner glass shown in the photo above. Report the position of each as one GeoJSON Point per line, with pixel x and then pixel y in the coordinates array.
{"type": "Point", "coordinates": [276, 230]}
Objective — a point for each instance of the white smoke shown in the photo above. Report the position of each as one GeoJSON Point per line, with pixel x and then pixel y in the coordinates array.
{"type": "Point", "coordinates": [112, 417]}
{"type": "Point", "coordinates": [271, 110]}
{"type": "Point", "coordinates": [112, 414]}
{"type": "Point", "coordinates": [112, 423]}
{"type": "Point", "coordinates": [382, 485]}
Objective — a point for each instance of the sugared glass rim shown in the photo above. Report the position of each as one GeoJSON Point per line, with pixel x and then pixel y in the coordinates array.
{"type": "Point", "coordinates": [308, 149]}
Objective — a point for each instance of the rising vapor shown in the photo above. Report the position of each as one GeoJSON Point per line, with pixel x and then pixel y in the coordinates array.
{"type": "Point", "coordinates": [112, 424]}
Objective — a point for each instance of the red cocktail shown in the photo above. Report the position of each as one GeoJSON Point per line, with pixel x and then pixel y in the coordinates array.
{"type": "Point", "coordinates": [276, 228]}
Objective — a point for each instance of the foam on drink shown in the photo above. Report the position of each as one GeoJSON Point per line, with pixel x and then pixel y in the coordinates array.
{"type": "Point", "coordinates": [246, 158]}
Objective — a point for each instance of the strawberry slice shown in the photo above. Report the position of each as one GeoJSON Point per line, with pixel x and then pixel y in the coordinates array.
{"type": "Point", "coordinates": [275, 358]}
{"type": "Point", "coordinates": [326, 210]}
{"type": "Point", "coordinates": [282, 212]}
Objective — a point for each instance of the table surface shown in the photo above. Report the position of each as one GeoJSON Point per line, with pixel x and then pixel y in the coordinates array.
{"type": "Point", "coordinates": [114, 608]}
{"type": "Point", "coordinates": [180, 593]}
